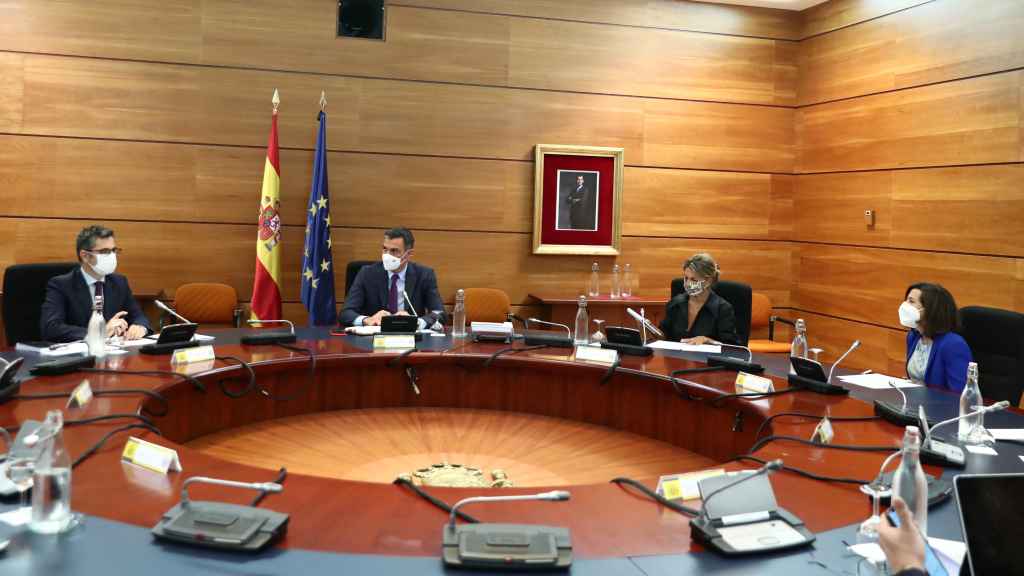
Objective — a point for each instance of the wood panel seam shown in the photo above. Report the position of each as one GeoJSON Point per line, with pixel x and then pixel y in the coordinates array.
{"type": "Point", "coordinates": [238, 68]}
{"type": "Point", "coordinates": [872, 19]}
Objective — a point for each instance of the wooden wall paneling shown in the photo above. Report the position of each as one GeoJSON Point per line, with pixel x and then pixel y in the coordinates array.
{"type": "Point", "coordinates": [561, 55]}
{"type": "Point", "coordinates": [972, 209]}
{"type": "Point", "coordinates": [940, 41]}
{"type": "Point", "coordinates": [701, 204]}
{"type": "Point", "coordinates": [830, 208]}
{"type": "Point", "coordinates": [964, 122]}
{"type": "Point", "coordinates": [670, 14]}
{"type": "Point", "coordinates": [205, 105]}
{"type": "Point", "coordinates": [882, 349]}
{"type": "Point", "coordinates": [422, 44]}
{"type": "Point", "coordinates": [867, 284]}
{"type": "Point", "coordinates": [829, 16]}
{"type": "Point", "coordinates": [137, 29]}
{"type": "Point", "coordinates": [12, 88]}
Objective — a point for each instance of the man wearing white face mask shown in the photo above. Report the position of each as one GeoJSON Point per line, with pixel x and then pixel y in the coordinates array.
{"type": "Point", "coordinates": [70, 297]}
{"type": "Point", "coordinates": [392, 286]}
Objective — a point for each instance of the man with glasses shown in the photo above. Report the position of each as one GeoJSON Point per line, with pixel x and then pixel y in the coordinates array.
{"type": "Point", "coordinates": [392, 285]}
{"type": "Point", "coordinates": [70, 297]}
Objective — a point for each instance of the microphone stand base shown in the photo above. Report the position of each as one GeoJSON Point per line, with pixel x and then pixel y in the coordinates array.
{"type": "Point", "coordinates": [513, 547]}
{"type": "Point", "coordinates": [797, 381]}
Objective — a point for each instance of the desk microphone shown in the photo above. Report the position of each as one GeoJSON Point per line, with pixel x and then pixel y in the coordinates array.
{"type": "Point", "coordinates": [537, 338]}
{"type": "Point", "coordinates": [1001, 405]}
{"type": "Point", "coordinates": [505, 546]}
{"type": "Point", "coordinates": [903, 396]}
{"type": "Point", "coordinates": [168, 309]}
{"type": "Point", "coordinates": [645, 323]}
{"type": "Point", "coordinates": [409, 302]}
{"type": "Point", "coordinates": [768, 468]}
{"type": "Point", "coordinates": [854, 346]}
{"type": "Point", "coordinates": [270, 336]}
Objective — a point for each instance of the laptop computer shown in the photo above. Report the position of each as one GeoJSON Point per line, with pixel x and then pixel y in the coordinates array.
{"type": "Point", "coordinates": [991, 512]}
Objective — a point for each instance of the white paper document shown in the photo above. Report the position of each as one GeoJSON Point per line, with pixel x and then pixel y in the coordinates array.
{"type": "Point", "coordinates": [983, 450]}
{"type": "Point", "coordinates": [877, 381]}
{"type": "Point", "coordinates": [1007, 433]}
{"type": "Point", "coordinates": [680, 347]}
{"type": "Point", "coordinates": [949, 552]}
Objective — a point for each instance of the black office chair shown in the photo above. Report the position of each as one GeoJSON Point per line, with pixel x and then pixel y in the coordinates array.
{"type": "Point", "coordinates": [736, 293]}
{"type": "Point", "coordinates": [996, 338]}
{"type": "Point", "coordinates": [352, 269]}
{"type": "Point", "coordinates": [24, 292]}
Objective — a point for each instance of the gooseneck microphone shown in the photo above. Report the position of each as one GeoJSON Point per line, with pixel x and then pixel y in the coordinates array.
{"type": "Point", "coordinates": [270, 336]}
{"type": "Point", "coordinates": [854, 346]}
{"type": "Point", "coordinates": [645, 323]}
{"type": "Point", "coordinates": [1001, 405]}
{"type": "Point", "coordinates": [170, 311]}
{"type": "Point", "coordinates": [903, 395]}
{"type": "Point", "coordinates": [553, 496]}
{"type": "Point", "coordinates": [768, 468]}
{"type": "Point", "coordinates": [261, 486]}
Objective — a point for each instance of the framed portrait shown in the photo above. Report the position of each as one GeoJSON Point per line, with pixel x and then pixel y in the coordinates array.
{"type": "Point", "coordinates": [577, 200]}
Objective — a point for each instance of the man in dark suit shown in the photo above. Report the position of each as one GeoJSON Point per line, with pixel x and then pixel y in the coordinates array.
{"type": "Point", "coordinates": [70, 297]}
{"type": "Point", "coordinates": [578, 199]}
{"type": "Point", "coordinates": [380, 289]}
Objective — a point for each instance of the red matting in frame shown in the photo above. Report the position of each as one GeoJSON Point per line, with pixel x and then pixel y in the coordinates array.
{"type": "Point", "coordinates": [605, 166]}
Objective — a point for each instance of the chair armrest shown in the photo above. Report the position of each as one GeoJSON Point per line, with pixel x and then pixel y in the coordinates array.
{"type": "Point", "coordinates": [771, 325]}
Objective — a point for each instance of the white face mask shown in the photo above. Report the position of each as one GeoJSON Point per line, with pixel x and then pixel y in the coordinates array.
{"type": "Point", "coordinates": [909, 315]}
{"type": "Point", "coordinates": [105, 264]}
{"type": "Point", "coordinates": [694, 288]}
{"type": "Point", "coordinates": [391, 263]}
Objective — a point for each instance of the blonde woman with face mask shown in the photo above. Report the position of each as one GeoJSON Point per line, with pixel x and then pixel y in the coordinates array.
{"type": "Point", "coordinates": [698, 315]}
{"type": "Point", "coordinates": [936, 355]}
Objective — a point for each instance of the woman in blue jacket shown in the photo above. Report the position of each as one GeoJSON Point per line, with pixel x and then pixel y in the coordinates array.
{"type": "Point", "coordinates": [936, 355]}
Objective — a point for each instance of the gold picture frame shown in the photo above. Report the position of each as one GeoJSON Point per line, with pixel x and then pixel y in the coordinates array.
{"type": "Point", "coordinates": [572, 211]}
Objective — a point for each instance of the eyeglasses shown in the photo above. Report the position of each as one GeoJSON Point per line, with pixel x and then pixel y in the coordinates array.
{"type": "Point", "coordinates": [106, 251]}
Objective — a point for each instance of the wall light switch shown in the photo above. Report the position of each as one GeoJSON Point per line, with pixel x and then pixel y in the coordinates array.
{"type": "Point", "coordinates": [869, 218]}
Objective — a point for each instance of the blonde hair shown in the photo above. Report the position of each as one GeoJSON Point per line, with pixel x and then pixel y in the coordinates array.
{"type": "Point", "coordinates": [704, 265]}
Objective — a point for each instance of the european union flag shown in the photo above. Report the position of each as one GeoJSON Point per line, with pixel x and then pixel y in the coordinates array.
{"type": "Point", "coordinates": [317, 264]}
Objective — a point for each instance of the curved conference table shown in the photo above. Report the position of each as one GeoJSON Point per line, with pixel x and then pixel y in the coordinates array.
{"type": "Point", "coordinates": [359, 527]}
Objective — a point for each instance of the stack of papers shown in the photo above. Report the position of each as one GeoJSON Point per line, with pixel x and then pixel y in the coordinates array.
{"type": "Point", "coordinates": [950, 552]}
{"type": "Point", "coordinates": [491, 327]}
{"type": "Point", "coordinates": [877, 381]}
{"type": "Point", "coordinates": [680, 347]}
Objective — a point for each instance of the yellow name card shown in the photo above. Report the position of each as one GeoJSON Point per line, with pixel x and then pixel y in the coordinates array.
{"type": "Point", "coordinates": [393, 341]}
{"type": "Point", "coordinates": [192, 355]}
{"type": "Point", "coordinates": [150, 456]}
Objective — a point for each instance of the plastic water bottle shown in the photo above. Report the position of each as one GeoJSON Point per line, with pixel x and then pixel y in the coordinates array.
{"type": "Point", "coordinates": [799, 346]}
{"type": "Point", "coordinates": [459, 315]}
{"type": "Point", "coordinates": [582, 323]}
{"type": "Point", "coordinates": [594, 288]}
{"type": "Point", "coordinates": [909, 483]}
{"type": "Point", "coordinates": [616, 287]}
{"type": "Point", "coordinates": [627, 281]}
{"type": "Point", "coordinates": [971, 429]}
{"type": "Point", "coordinates": [96, 333]}
{"type": "Point", "coordinates": [51, 480]}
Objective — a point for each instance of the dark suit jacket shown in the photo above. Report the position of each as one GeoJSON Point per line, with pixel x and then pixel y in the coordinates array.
{"type": "Point", "coordinates": [369, 293]}
{"type": "Point", "coordinates": [68, 306]}
{"type": "Point", "coordinates": [716, 320]}
{"type": "Point", "coordinates": [578, 200]}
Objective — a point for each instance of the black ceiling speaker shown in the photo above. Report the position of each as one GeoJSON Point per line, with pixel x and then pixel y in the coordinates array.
{"type": "Point", "coordinates": [361, 19]}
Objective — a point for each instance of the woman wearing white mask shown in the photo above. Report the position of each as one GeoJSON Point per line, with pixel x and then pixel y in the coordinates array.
{"type": "Point", "coordinates": [936, 355]}
{"type": "Point", "coordinates": [698, 315]}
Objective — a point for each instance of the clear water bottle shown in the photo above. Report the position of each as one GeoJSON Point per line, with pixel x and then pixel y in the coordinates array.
{"type": "Point", "coordinates": [616, 286]}
{"type": "Point", "coordinates": [594, 287]}
{"type": "Point", "coordinates": [799, 346]}
{"type": "Point", "coordinates": [580, 336]}
{"type": "Point", "coordinates": [627, 281]}
{"type": "Point", "coordinates": [909, 483]}
{"type": "Point", "coordinates": [51, 479]}
{"type": "Point", "coordinates": [971, 429]}
{"type": "Point", "coordinates": [96, 333]}
{"type": "Point", "coordinates": [459, 315]}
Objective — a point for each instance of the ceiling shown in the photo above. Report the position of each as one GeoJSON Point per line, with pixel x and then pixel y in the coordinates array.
{"type": "Point", "coordinates": [783, 4]}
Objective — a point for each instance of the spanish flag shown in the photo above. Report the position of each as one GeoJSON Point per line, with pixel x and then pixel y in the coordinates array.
{"type": "Point", "coordinates": [266, 289]}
